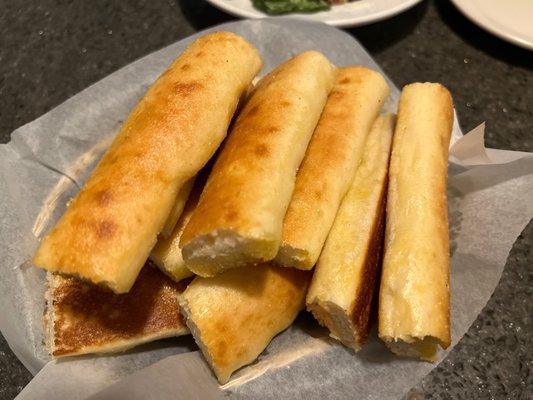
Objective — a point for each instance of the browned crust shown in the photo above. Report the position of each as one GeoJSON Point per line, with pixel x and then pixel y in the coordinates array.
{"type": "Point", "coordinates": [343, 287]}
{"type": "Point", "coordinates": [234, 315]}
{"type": "Point", "coordinates": [352, 328]}
{"type": "Point", "coordinates": [240, 214]}
{"type": "Point", "coordinates": [369, 289]}
{"type": "Point", "coordinates": [108, 230]}
{"type": "Point", "coordinates": [250, 142]}
{"type": "Point", "coordinates": [88, 318]}
{"type": "Point", "coordinates": [329, 166]}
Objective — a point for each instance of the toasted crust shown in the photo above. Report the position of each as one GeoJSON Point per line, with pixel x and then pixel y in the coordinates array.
{"type": "Point", "coordinates": [330, 162]}
{"type": "Point", "coordinates": [341, 293]}
{"type": "Point", "coordinates": [108, 231]}
{"type": "Point", "coordinates": [83, 318]}
{"type": "Point", "coordinates": [240, 214]}
{"type": "Point", "coordinates": [234, 315]}
{"type": "Point", "coordinates": [414, 304]}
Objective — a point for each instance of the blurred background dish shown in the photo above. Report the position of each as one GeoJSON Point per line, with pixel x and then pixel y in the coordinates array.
{"type": "Point", "coordinates": [355, 13]}
{"type": "Point", "coordinates": [509, 20]}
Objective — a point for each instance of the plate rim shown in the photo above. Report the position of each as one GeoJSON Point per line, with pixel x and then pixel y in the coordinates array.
{"type": "Point", "coordinates": [465, 7]}
{"type": "Point", "coordinates": [225, 6]}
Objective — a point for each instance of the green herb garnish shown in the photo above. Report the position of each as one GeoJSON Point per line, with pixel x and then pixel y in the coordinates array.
{"type": "Point", "coordinates": [289, 6]}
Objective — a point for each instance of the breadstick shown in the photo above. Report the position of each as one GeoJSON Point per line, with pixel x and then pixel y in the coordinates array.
{"type": "Point", "coordinates": [109, 229]}
{"type": "Point", "coordinates": [342, 290]}
{"type": "Point", "coordinates": [240, 214]}
{"type": "Point", "coordinates": [330, 163]}
{"type": "Point", "coordinates": [233, 316]}
{"type": "Point", "coordinates": [414, 302]}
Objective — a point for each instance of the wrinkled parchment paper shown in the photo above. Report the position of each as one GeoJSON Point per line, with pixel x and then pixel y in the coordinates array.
{"type": "Point", "coordinates": [490, 202]}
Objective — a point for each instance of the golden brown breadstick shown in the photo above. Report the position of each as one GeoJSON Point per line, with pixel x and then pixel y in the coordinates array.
{"type": "Point", "coordinates": [240, 214]}
{"type": "Point", "coordinates": [233, 316]}
{"type": "Point", "coordinates": [330, 162]}
{"type": "Point", "coordinates": [109, 229]}
{"type": "Point", "coordinates": [414, 306]}
{"type": "Point", "coordinates": [342, 289]}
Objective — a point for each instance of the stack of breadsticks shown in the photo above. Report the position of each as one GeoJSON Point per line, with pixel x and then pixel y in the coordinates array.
{"type": "Point", "coordinates": [313, 200]}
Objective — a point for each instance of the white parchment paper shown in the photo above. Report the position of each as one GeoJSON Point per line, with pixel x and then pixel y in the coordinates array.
{"type": "Point", "coordinates": [490, 202]}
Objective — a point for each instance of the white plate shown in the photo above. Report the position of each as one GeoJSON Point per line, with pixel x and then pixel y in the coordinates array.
{"type": "Point", "coordinates": [355, 13]}
{"type": "Point", "coordinates": [510, 20]}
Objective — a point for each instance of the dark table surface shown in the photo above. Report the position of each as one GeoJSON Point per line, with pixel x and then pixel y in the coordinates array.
{"type": "Point", "coordinates": [52, 49]}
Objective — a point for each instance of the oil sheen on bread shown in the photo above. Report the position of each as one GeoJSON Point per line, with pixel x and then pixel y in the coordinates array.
{"type": "Point", "coordinates": [330, 163]}
{"type": "Point", "coordinates": [414, 303]}
{"type": "Point", "coordinates": [109, 229]}
{"type": "Point", "coordinates": [342, 290]}
{"type": "Point", "coordinates": [234, 315]}
{"type": "Point", "coordinates": [239, 217]}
